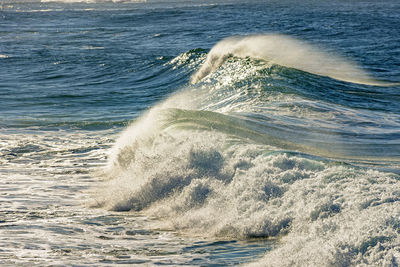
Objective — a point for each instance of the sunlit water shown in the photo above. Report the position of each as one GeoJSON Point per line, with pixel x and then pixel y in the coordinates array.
{"type": "Point", "coordinates": [145, 133]}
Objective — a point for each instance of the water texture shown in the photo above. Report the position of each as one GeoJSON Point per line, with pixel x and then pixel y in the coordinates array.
{"type": "Point", "coordinates": [199, 133]}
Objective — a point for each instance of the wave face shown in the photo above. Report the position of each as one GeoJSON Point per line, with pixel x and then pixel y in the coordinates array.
{"type": "Point", "coordinates": [259, 150]}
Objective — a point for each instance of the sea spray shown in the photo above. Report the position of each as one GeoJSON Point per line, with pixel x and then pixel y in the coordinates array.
{"type": "Point", "coordinates": [206, 163]}
{"type": "Point", "coordinates": [286, 51]}
{"type": "Point", "coordinates": [232, 172]}
{"type": "Point", "coordinates": [202, 184]}
{"type": "Point", "coordinates": [209, 184]}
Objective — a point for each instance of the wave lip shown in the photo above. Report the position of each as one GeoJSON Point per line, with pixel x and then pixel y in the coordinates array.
{"type": "Point", "coordinates": [286, 51]}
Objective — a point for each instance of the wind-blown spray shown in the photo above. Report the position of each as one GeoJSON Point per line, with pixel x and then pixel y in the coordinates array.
{"type": "Point", "coordinates": [286, 51]}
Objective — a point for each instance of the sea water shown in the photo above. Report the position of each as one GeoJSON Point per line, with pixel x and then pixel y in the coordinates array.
{"type": "Point", "coordinates": [264, 133]}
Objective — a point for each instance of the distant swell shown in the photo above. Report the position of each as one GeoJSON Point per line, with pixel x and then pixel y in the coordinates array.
{"type": "Point", "coordinates": [286, 51]}
{"type": "Point", "coordinates": [94, 1]}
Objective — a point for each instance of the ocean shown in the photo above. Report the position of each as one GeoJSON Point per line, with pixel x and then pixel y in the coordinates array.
{"type": "Point", "coordinates": [200, 133]}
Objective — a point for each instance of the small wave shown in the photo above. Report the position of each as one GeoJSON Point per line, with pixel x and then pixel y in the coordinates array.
{"type": "Point", "coordinates": [286, 51]}
{"type": "Point", "coordinates": [192, 59]}
{"type": "Point", "coordinates": [90, 47]}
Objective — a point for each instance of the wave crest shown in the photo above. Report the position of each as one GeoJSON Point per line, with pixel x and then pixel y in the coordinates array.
{"type": "Point", "coordinates": [218, 161]}
{"type": "Point", "coordinates": [286, 51]}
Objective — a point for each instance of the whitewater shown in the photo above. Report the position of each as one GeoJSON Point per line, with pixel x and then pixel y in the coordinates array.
{"type": "Point", "coordinates": [256, 134]}
{"type": "Point", "coordinates": [203, 164]}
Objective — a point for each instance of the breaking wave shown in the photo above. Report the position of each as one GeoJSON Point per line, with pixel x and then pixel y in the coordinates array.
{"type": "Point", "coordinates": [250, 153]}
{"type": "Point", "coordinates": [285, 51]}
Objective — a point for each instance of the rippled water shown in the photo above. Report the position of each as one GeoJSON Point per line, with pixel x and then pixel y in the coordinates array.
{"type": "Point", "coordinates": [199, 133]}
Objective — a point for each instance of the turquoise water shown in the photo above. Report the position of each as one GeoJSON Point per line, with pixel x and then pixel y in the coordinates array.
{"type": "Point", "coordinates": [200, 133]}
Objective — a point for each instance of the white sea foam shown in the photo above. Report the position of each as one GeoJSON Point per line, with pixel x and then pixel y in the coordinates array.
{"type": "Point", "coordinates": [202, 184]}
{"type": "Point", "coordinates": [204, 174]}
{"type": "Point", "coordinates": [286, 51]}
{"type": "Point", "coordinates": [207, 183]}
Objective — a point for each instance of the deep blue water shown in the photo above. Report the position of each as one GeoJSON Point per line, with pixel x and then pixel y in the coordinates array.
{"type": "Point", "coordinates": [104, 62]}
{"type": "Point", "coordinates": [290, 140]}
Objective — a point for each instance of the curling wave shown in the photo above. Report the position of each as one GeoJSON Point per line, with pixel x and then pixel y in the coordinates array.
{"type": "Point", "coordinates": [286, 51]}
{"type": "Point", "coordinates": [245, 155]}
{"type": "Point", "coordinates": [208, 184]}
